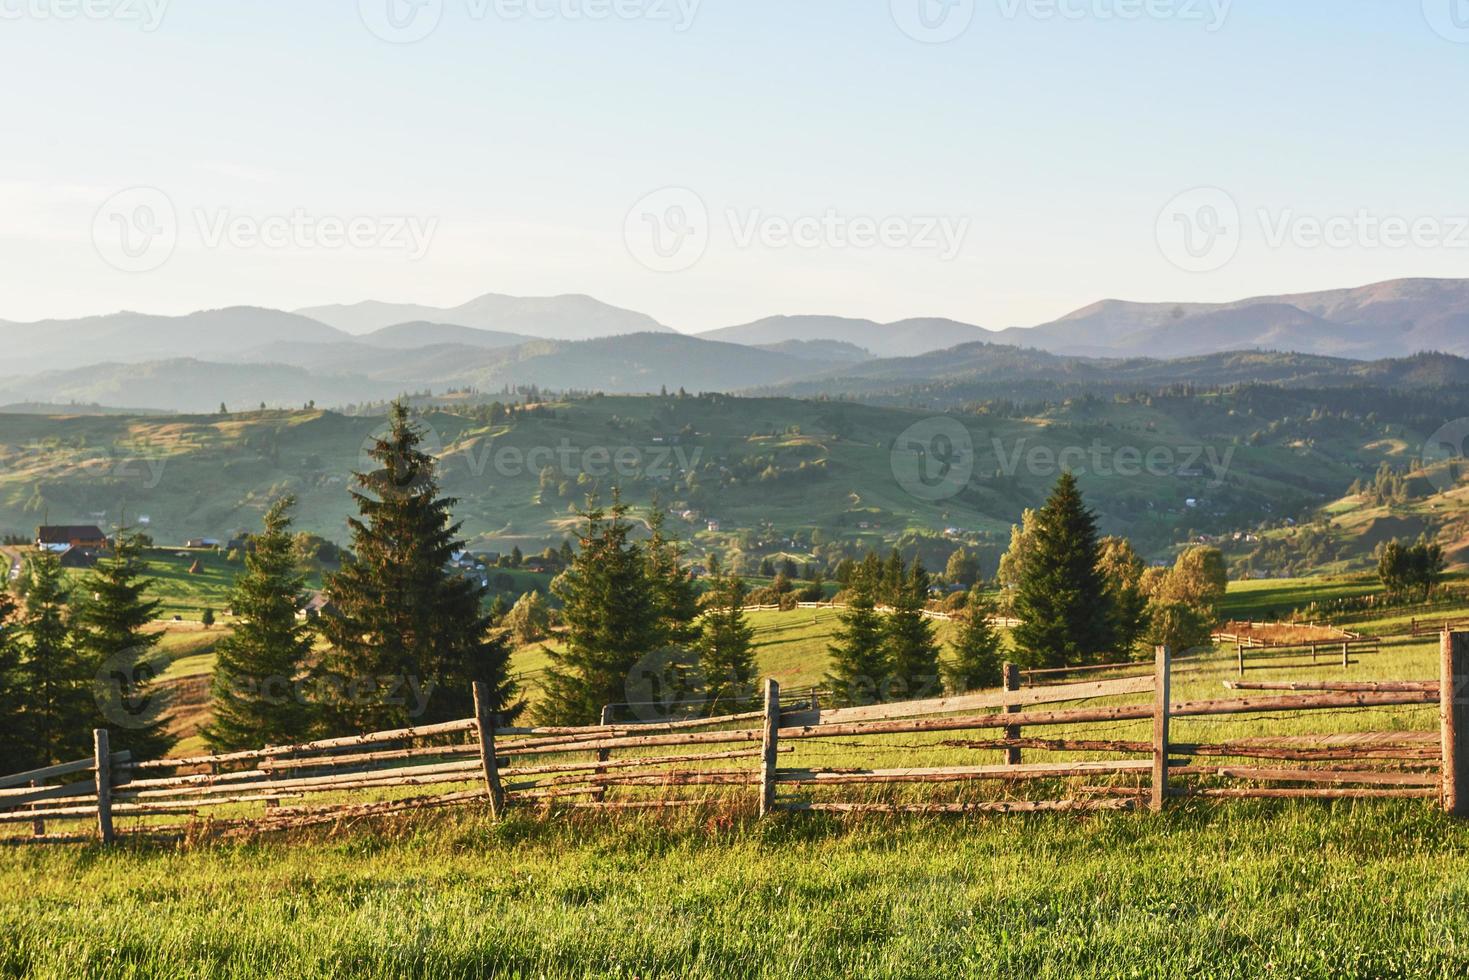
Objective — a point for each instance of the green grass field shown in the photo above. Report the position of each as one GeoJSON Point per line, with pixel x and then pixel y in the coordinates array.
{"type": "Point", "coordinates": [1296, 890]}
{"type": "Point", "coordinates": [1217, 889]}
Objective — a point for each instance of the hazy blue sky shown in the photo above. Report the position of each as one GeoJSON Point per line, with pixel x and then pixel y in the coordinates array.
{"type": "Point", "coordinates": [510, 147]}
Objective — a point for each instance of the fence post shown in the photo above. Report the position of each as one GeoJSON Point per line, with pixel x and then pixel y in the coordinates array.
{"type": "Point", "coordinates": [1454, 722]}
{"type": "Point", "coordinates": [1161, 696]}
{"type": "Point", "coordinates": [102, 753]}
{"type": "Point", "coordinates": [769, 746]}
{"type": "Point", "coordinates": [1239, 652]}
{"type": "Point", "coordinates": [600, 793]}
{"type": "Point", "coordinates": [38, 825]}
{"type": "Point", "coordinates": [484, 720]}
{"type": "Point", "coordinates": [1346, 654]}
{"type": "Point", "coordinates": [1011, 680]}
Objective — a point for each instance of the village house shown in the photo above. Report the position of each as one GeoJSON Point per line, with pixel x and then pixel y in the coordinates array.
{"type": "Point", "coordinates": [60, 537]}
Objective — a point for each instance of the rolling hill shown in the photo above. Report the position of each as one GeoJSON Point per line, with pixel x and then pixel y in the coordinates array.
{"type": "Point", "coordinates": [572, 317]}
{"type": "Point", "coordinates": [881, 339]}
{"type": "Point", "coordinates": [774, 473]}
{"type": "Point", "coordinates": [128, 338]}
{"type": "Point", "coordinates": [1386, 319]}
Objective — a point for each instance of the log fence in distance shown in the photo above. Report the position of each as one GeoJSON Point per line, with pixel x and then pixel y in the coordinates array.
{"type": "Point", "coordinates": [793, 757]}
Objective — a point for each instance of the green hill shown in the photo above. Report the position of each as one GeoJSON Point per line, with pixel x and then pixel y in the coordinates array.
{"type": "Point", "coordinates": [755, 475]}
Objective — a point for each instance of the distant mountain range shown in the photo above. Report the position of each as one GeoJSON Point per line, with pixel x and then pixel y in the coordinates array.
{"type": "Point", "coordinates": [373, 350]}
{"type": "Point", "coordinates": [551, 317]}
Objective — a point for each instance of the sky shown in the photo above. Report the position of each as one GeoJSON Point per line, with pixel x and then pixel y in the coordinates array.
{"type": "Point", "coordinates": [710, 162]}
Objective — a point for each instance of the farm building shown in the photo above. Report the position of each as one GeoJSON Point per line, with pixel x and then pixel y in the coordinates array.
{"type": "Point", "coordinates": [59, 537]}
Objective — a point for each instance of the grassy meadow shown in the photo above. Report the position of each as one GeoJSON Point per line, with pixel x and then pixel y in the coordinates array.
{"type": "Point", "coordinates": [1366, 889]}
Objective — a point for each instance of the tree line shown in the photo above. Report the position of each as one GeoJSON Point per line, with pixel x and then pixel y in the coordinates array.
{"type": "Point", "coordinates": [406, 635]}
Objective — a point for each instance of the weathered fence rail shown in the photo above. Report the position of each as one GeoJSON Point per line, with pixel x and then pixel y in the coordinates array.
{"type": "Point", "coordinates": [1033, 752]}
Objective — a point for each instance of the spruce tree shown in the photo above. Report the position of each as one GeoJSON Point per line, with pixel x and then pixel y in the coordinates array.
{"type": "Point", "coordinates": [859, 664]}
{"type": "Point", "coordinates": [611, 616]}
{"type": "Point", "coordinates": [60, 711]}
{"type": "Point", "coordinates": [912, 653]}
{"type": "Point", "coordinates": [726, 651]}
{"type": "Point", "coordinates": [1062, 601]}
{"type": "Point", "coordinates": [14, 735]}
{"type": "Point", "coordinates": [677, 601]}
{"type": "Point", "coordinates": [409, 637]}
{"type": "Point", "coordinates": [256, 692]}
{"type": "Point", "coordinates": [113, 635]}
{"type": "Point", "coordinates": [978, 660]}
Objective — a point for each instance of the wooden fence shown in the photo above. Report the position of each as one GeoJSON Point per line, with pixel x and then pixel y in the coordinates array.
{"type": "Point", "coordinates": [1006, 622]}
{"type": "Point", "coordinates": [792, 758]}
{"type": "Point", "coordinates": [1430, 627]}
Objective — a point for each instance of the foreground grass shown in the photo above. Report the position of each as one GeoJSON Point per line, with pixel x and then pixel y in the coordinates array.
{"type": "Point", "coordinates": [1304, 889]}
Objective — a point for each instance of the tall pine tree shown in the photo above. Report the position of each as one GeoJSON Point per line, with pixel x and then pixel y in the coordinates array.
{"type": "Point", "coordinates": [912, 653]}
{"type": "Point", "coordinates": [610, 608]}
{"type": "Point", "coordinates": [977, 662]}
{"type": "Point", "coordinates": [14, 750]}
{"type": "Point", "coordinates": [1062, 600]}
{"type": "Point", "coordinates": [859, 663]}
{"type": "Point", "coordinates": [726, 651]}
{"type": "Point", "coordinates": [60, 711]}
{"type": "Point", "coordinates": [114, 635]}
{"type": "Point", "coordinates": [409, 636]}
{"type": "Point", "coordinates": [677, 601]}
{"type": "Point", "coordinates": [256, 691]}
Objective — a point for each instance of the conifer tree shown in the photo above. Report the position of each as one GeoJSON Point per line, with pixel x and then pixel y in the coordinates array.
{"type": "Point", "coordinates": [409, 636]}
{"type": "Point", "coordinates": [978, 660]}
{"type": "Point", "coordinates": [60, 711]}
{"type": "Point", "coordinates": [112, 623]}
{"type": "Point", "coordinates": [611, 616]}
{"type": "Point", "coordinates": [912, 653]}
{"type": "Point", "coordinates": [14, 736]}
{"type": "Point", "coordinates": [676, 599]}
{"type": "Point", "coordinates": [256, 695]}
{"type": "Point", "coordinates": [1062, 601]}
{"type": "Point", "coordinates": [892, 579]}
{"type": "Point", "coordinates": [859, 664]}
{"type": "Point", "coordinates": [726, 651]}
